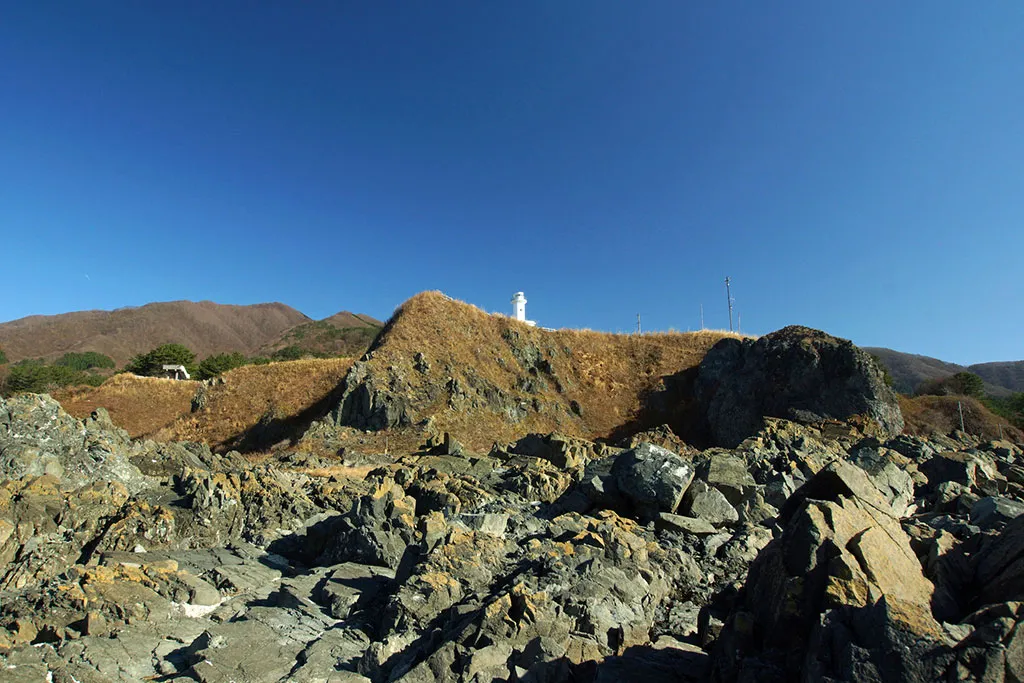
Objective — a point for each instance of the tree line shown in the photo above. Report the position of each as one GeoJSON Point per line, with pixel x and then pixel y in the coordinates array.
{"type": "Point", "coordinates": [969, 384]}
{"type": "Point", "coordinates": [36, 375]}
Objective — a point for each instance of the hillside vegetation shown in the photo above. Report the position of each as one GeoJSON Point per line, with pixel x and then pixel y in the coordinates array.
{"type": "Point", "coordinates": [909, 371]}
{"type": "Point", "coordinates": [931, 415]}
{"type": "Point", "coordinates": [253, 407]}
{"type": "Point", "coordinates": [204, 327]}
{"type": "Point", "coordinates": [342, 334]}
{"type": "Point", "coordinates": [485, 377]}
{"type": "Point", "coordinates": [236, 410]}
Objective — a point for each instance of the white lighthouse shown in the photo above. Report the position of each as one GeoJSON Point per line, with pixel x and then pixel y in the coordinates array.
{"type": "Point", "coordinates": [519, 308]}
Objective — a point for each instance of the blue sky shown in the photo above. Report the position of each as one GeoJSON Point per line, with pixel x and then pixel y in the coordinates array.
{"type": "Point", "coordinates": [857, 167]}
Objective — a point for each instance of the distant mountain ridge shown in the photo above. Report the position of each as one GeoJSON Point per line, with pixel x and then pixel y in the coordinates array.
{"type": "Point", "coordinates": [909, 370]}
{"type": "Point", "coordinates": [205, 327]}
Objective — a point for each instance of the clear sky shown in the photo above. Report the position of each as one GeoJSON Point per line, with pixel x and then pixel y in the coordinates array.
{"type": "Point", "coordinates": [852, 166]}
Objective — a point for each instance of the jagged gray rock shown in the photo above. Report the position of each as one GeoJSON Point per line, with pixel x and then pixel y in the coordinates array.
{"type": "Point", "coordinates": [549, 560]}
{"type": "Point", "coordinates": [38, 438]}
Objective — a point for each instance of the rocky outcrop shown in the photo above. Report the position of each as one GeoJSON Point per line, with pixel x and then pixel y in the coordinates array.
{"type": "Point", "coordinates": [809, 552]}
{"type": "Point", "coordinates": [795, 373]}
{"type": "Point", "coordinates": [842, 562]}
{"type": "Point", "coordinates": [38, 438]}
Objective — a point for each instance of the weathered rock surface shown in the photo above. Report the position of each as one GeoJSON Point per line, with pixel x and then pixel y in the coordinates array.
{"type": "Point", "coordinates": [654, 479]}
{"type": "Point", "coordinates": [38, 438]}
{"type": "Point", "coordinates": [809, 552]}
{"type": "Point", "coordinates": [795, 373]}
{"type": "Point", "coordinates": [842, 559]}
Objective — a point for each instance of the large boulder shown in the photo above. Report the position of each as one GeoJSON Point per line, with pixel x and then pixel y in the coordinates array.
{"type": "Point", "coordinates": [652, 478]}
{"type": "Point", "coordinates": [840, 591]}
{"type": "Point", "coordinates": [796, 373]}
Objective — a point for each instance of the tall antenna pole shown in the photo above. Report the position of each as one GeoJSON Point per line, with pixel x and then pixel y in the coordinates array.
{"type": "Point", "coordinates": [638, 323]}
{"type": "Point", "coordinates": [728, 296]}
{"type": "Point", "coordinates": [702, 316]}
{"type": "Point", "coordinates": [739, 324]}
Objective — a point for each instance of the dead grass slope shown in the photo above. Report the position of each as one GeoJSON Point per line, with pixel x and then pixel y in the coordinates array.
{"type": "Point", "coordinates": [140, 405]}
{"type": "Point", "coordinates": [925, 415]}
{"type": "Point", "coordinates": [249, 406]}
{"type": "Point", "coordinates": [242, 409]}
{"type": "Point", "coordinates": [488, 378]}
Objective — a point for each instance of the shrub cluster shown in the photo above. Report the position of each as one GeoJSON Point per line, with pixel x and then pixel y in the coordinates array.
{"type": "Point", "coordinates": [221, 362]}
{"type": "Point", "coordinates": [37, 377]}
{"type": "Point", "coordinates": [1010, 407]}
{"type": "Point", "coordinates": [151, 364]}
{"type": "Point", "coordinates": [960, 384]}
{"type": "Point", "coordinates": [85, 361]}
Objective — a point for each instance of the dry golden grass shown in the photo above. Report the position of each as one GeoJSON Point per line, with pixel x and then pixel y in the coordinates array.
{"type": "Point", "coordinates": [604, 374]}
{"type": "Point", "coordinates": [140, 405]}
{"type": "Point", "coordinates": [280, 391]}
{"type": "Point", "coordinates": [925, 415]}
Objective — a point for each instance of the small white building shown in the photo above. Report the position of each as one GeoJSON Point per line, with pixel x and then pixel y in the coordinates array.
{"type": "Point", "coordinates": [519, 309]}
{"type": "Point", "coordinates": [175, 372]}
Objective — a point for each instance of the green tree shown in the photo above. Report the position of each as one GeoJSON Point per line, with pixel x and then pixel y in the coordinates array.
{"type": "Point", "coordinates": [85, 361]}
{"type": "Point", "coordinates": [288, 353]}
{"type": "Point", "coordinates": [37, 378]}
{"type": "Point", "coordinates": [966, 384]}
{"type": "Point", "coordinates": [221, 362]}
{"type": "Point", "coordinates": [3, 357]}
{"type": "Point", "coordinates": [960, 384]}
{"type": "Point", "coordinates": [151, 364]}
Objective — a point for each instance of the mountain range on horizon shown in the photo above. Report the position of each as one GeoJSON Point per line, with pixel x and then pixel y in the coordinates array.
{"type": "Point", "coordinates": [205, 327]}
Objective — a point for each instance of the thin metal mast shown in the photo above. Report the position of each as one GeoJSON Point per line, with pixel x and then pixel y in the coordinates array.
{"type": "Point", "coordinates": [728, 296]}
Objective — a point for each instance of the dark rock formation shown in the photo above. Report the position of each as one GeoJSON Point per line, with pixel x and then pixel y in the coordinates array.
{"type": "Point", "coordinates": [795, 373]}
{"type": "Point", "coordinates": [811, 552]}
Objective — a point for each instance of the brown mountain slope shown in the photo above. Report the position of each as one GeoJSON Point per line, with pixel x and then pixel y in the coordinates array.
{"type": "Point", "coordinates": [204, 327]}
{"type": "Point", "coordinates": [909, 370]}
{"type": "Point", "coordinates": [488, 378]}
{"type": "Point", "coordinates": [1009, 374]}
{"type": "Point", "coordinates": [927, 415]}
{"type": "Point", "coordinates": [342, 334]}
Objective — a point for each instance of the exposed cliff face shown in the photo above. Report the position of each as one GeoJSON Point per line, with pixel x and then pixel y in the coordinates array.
{"type": "Point", "coordinates": [487, 377]}
{"type": "Point", "coordinates": [795, 373]}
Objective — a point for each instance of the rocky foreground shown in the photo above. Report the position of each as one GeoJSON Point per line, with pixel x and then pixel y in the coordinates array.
{"type": "Point", "coordinates": [812, 548]}
{"type": "Point", "coordinates": [807, 551]}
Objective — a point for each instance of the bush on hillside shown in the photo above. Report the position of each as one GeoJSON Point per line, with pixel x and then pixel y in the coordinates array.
{"type": "Point", "coordinates": [288, 353]}
{"type": "Point", "coordinates": [960, 384]}
{"type": "Point", "coordinates": [85, 361]}
{"type": "Point", "coordinates": [221, 362]}
{"type": "Point", "coordinates": [35, 377]}
{"type": "Point", "coordinates": [926, 415]}
{"type": "Point", "coordinates": [1011, 408]}
{"type": "Point", "coordinates": [3, 357]}
{"type": "Point", "coordinates": [151, 364]}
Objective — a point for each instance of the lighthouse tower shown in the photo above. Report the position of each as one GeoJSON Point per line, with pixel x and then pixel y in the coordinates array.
{"type": "Point", "coordinates": [519, 308]}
